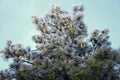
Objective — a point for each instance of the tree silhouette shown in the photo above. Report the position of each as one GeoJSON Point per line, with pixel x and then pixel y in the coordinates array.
{"type": "Point", "coordinates": [64, 51]}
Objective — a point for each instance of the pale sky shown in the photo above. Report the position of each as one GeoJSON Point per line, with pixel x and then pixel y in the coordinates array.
{"type": "Point", "coordinates": [16, 25]}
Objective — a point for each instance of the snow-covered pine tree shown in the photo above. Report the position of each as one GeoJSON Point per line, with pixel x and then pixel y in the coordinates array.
{"type": "Point", "coordinates": [64, 51]}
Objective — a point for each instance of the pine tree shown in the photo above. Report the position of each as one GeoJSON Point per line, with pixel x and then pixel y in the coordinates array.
{"type": "Point", "coordinates": [64, 51]}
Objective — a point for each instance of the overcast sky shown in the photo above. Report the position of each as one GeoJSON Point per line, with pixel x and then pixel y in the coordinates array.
{"type": "Point", "coordinates": [16, 25]}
